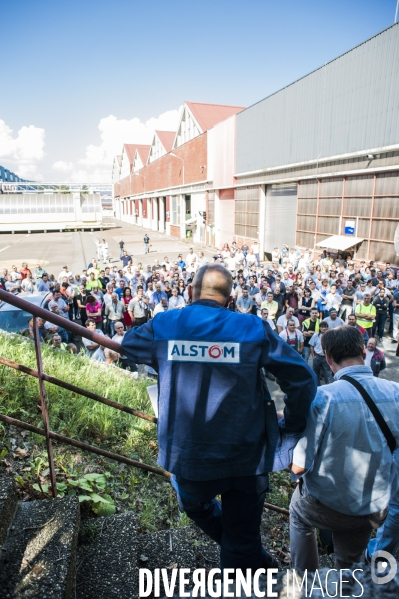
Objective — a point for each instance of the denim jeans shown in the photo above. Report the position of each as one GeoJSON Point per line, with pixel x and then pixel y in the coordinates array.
{"type": "Point", "coordinates": [112, 327]}
{"type": "Point", "coordinates": [320, 365]}
{"type": "Point", "coordinates": [379, 324]}
{"type": "Point", "coordinates": [236, 527]}
{"type": "Point", "coordinates": [387, 538]}
{"type": "Point", "coordinates": [306, 353]}
{"type": "Point", "coordinates": [395, 327]}
{"type": "Point", "coordinates": [350, 533]}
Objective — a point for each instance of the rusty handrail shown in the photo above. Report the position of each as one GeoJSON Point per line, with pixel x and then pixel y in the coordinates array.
{"type": "Point", "coordinates": [65, 323]}
{"type": "Point", "coordinates": [81, 445]}
{"type": "Point", "coordinates": [79, 390]}
{"type": "Point", "coordinates": [61, 321]}
{"type": "Point", "coordinates": [43, 405]}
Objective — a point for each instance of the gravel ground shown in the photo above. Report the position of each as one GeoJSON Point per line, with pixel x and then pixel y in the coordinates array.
{"type": "Point", "coordinates": [36, 559]}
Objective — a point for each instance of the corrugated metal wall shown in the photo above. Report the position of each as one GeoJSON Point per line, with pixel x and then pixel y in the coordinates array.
{"type": "Point", "coordinates": [371, 201]}
{"type": "Point", "coordinates": [351, 104]}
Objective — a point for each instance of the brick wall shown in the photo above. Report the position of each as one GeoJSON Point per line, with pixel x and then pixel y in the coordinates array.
{"type": "Point", "coordinates": [167, 171]}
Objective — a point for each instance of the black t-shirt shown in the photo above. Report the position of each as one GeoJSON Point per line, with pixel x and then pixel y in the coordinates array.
{"type": "Point", "coordinates": [104, 282]}
{"type": "Point", "coordinates": [146, 239]}
{"type": "Point", "coordinates": [280, 299]}
{"type": "Point", "coordinates": [82, 298]}
{"type": "Point", "coordinates": [311, 327]}
{"type": "Point", "coordinates": [121, 244]}
{"type": "Point", "coordinates": [351, 292]}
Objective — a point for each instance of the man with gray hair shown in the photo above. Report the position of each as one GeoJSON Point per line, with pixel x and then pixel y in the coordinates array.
{"type": "Point", "coordinates": [110, 356]}
{"type": "Point", "coordinates": [114, 311]}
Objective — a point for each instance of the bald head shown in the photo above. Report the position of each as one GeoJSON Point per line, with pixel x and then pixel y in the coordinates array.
{"type": "Point", "coordinates": [212, 281]}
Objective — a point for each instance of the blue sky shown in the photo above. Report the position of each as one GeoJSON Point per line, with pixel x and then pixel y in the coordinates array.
{"type": "Point", "coordinates": [79, 78]}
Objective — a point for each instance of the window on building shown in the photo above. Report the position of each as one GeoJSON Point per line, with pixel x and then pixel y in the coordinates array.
{"type": "Point", "coordinates": [211, 208]}
{"type": "Point", "coordinates": [175, 210]}
{"type": "Point", "coordinates": [247, 212]}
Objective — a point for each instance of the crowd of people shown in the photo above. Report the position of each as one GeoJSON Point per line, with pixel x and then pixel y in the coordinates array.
{"type": "Point", "coordinates": [305, 299]}
{"type": "Point", "coordinates": [299, 294]}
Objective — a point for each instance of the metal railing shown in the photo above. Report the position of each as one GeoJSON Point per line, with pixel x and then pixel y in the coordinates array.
{"type": "Point", "coordinates": [38, 312]}
{"type": "Point", "coordinates": [60, 321]}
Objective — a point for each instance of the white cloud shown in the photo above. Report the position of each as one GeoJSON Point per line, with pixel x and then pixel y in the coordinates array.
{"type": "Point", "coordinates": [23, 152]}
{"type": "Point", "coordinates": [96, 166]}
{"type": "Point", "coordinates": [61, 165]}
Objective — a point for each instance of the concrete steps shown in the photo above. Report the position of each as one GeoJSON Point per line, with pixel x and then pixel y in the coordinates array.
{"type": "Point", "coordinates": [38, 556]}
{"type": "Point", "coordinates": [8, 505]}
{"type": "Point", "coordinates": [106, 563]}
{"type": "Point", "coordinates": [47, 554]}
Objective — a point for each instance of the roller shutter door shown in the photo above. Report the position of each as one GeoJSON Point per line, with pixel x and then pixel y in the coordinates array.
{"type": "Point", "coordinates": [280, 216]}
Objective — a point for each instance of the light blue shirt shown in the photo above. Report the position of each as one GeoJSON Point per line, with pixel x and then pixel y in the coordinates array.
{"type": "Point", "coordinates": [175, 302]}
{"type": "Point", "coordinates": [350, 466]}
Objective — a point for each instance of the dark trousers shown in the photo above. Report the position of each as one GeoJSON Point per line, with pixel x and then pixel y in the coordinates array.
{"type": "Point", "coordinates": [350, 533]}
{"type": "Point", "coordinates": [379, 324]}
{"type": "Point", "coordinates": [139, 321]}
{"type": "Point", "coordinates": [320, 366]}
{"type": "Point", "coordinates": [236, 527]}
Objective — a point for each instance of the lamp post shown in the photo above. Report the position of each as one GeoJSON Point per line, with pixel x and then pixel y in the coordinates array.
{"type": "Point", "coordinates": [178, 157]}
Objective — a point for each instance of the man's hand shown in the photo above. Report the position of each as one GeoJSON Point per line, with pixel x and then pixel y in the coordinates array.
{"type": "Point", "coordinates": [297, 469]}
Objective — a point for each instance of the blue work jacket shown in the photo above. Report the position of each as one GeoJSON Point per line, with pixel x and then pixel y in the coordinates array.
{"type": "Point", "coordinates": [216, 417]}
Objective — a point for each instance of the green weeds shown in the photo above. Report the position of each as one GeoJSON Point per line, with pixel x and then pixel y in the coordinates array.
{"type": "Point", "coordinates": [103, 486]}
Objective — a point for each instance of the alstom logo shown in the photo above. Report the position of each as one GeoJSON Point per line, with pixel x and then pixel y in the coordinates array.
{"type": "Point", "coordinates": [204, 351]}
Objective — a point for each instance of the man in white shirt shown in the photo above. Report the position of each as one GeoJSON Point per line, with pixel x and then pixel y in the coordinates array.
{"type": "Point", "coordinates": [28, 285]}
{"type": "Point", "coordinates": [93, 350]}
{"type": "Point", "coordinates": [333, 299]}
{"type": "Point", "coordinates": [293, 336]}
{"type": "Point", "coordinates": [65, 273]}
{"type": "Point", "coordinates": [282, 322]}
{"type": "Point", "coordinates": [191, 257]}
{"type": "Point", "coordinates": [264, 314]}
{"type": "Point", "coordinates": [15, 274]}
{"type": "Point", "coordinates": [162, 306]}
{"type": "Point", "coordinates": [231, 264]}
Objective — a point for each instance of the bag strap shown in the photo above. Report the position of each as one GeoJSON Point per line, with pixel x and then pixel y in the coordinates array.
{"type": "Point", "coordinates": [386, 431]}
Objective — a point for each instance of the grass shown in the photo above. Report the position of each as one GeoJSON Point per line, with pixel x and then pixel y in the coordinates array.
{"type": "Point", "coordinates": [70, 414]}
{"type": "Point", "coordinates": [24, 455]}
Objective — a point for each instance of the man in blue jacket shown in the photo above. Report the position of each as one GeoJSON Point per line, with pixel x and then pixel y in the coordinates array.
{"type": "Point", "coordinates": [217, 424]}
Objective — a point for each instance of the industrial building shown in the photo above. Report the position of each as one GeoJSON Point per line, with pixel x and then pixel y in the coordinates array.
{"type": "Point", "coordinates": [30, 206]}
{"type": "Point", "coordinates": [317, 159]}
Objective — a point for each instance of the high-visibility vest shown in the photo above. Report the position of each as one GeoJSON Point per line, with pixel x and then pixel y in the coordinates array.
{"type": "Point", "coordinates": [362, 309]}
